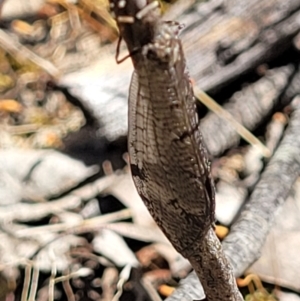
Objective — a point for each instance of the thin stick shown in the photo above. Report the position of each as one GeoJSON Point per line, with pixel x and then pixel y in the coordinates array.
{"type": "Point", "coordinates": [241, 130]}
{"type": "Point", "coordinates": [26, 284]}
{"type": "Point", "coordinates": [34, 283]}
{"type": "Point", "coordinates": [52, 279]}
{"type": "Point", "coordinates": [68, 290]}
{"type": "Point", "coordinates": [148, 286]}
{"type": "Point", "coordinates": [21, 52]}
{"type": "Point", "coordinates": [82, 226]}
{"type": "Point", "coordinates": [124, 276]}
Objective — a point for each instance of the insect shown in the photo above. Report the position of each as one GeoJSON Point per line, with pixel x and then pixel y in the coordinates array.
{"type": "Point", "coordinates": [168, 160]}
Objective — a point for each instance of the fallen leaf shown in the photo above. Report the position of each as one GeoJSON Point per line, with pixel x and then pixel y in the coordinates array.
{"type": "Point", "coordinates": [10, 106]}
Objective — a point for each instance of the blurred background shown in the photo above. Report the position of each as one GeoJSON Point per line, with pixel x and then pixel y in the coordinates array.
{"type": "Point", "coordinates": [72, 226]}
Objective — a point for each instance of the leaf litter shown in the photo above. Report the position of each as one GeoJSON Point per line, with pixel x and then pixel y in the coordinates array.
{"type": "Point", "coordinates": [53, 229]}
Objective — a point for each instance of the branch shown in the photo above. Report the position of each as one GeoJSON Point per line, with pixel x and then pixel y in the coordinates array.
{"type": "Point", "coordinates": [248, 234]}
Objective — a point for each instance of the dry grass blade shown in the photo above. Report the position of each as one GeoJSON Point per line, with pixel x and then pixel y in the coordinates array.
{"type": "Point", "coordinates": [124, 276]}
{"type": "Point", "coordinates": [52, 282]}
{"type": "Point", "coordinates": [102, 12]}
{"type": "Point", "coordinates": [34, 283]}
{"type": "Point", "coordinates": [242, 131]}
{"type": "Point", "coordinates": [26, 284]}
{"type": "Point", "coordinates": [68, 290]}
{"type": "Point", "coordinates": [79, 227]}
{"type": "Point", "coordinates": [21, 129]}
{"type": "Point", "coordinates": [85, 8]}
{"type": "Point", "coordinates": [148, 286]}
{"type": "Point", "coordinates": [21, 52]}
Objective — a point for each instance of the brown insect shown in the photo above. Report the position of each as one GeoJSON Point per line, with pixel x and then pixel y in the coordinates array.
{"type": "Point", "coordinates": [168, 160]}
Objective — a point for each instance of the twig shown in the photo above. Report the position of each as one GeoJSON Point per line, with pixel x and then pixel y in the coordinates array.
{"type": "Point", "coordinates": [247, 107]}
{"type": "Point", "coordinates": [34, 283]}
{"type": "Point", "coordinates": [268, 196]}
{"type": "Point", "coordinates": [25, 212]}
{"type": "Point", "coordinates": [275, 130]}
{"type": "Point", "coordinates": [21, 52]}
{"type": "Point", "coordinates": [21, 129]}
{"type": "Point", "coordinates": [108, 280]}
{"type": "Point", "coordinates": [52, 282]}
{"type": "Point", "coordinates": [150, 290]}
{"type": "Point", "coordinates": [28, 269]}
{"type": "Point", "coordinates": [241, 130]}
{"type": "Point", "coordinates": [124, 276]}
{"type": "Point", "coordinates": [247, 281]}
{"type": "Point", "coordinates": [68, 290]}
{"type": "Point", "coordinates": [249, 232]}
{"type": "Point", "coordinates": [79, 227]}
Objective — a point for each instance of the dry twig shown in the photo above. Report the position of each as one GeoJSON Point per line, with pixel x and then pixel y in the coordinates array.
{"type": "Point", "coordinates": [249, 232]}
